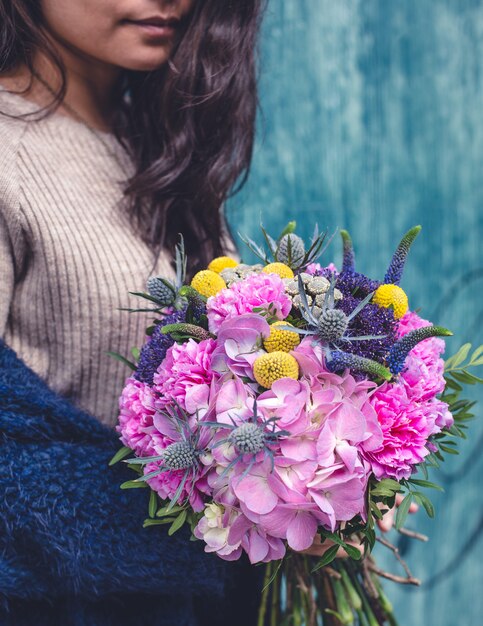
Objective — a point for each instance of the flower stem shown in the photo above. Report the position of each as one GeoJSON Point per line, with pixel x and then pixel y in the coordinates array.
{"type": "Point", "coordinates": [265, 592]}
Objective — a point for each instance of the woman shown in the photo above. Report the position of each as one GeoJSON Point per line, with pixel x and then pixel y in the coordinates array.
{"type": "Point", "coordinates": [124, 123]}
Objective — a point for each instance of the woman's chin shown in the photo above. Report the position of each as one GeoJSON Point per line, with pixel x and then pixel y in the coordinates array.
{"type": "Point", "coordinates": [145, 60]}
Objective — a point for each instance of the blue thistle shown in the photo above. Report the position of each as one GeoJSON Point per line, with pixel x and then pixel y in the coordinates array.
{"type": "Point", "coordinates": [396, 267]}
{"type": "Point", "coordinates": [250, 438]}
{"type": "Point", "coordinates": [335, 327]}
{"type": "Point", "coordinates": [403, 347]}
{"type": "Point", "coordinates": [154, 351]}
{"type": "Point", "coordinates": [180, 455]}
{"type": "Point", "coordinates": [338, 361]}
{"type": "Point", "coordinates": [183, 455]}
{"type": "Point", "coordinates": [348, 259]}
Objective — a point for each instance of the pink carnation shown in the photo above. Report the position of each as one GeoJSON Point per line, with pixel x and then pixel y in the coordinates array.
{"type": "Point", "coordinates": [406, 427]}
{"type": "Point", "coordinates": [257, 290]}
{"type": "Point", "coordinates": [424, 368]}
{"type": "Point", "coordinates": [185, 375]}
{"type": "Point", "coordinates": [167, 483]}
{"type": "Point", "coordinates": [137, 409]}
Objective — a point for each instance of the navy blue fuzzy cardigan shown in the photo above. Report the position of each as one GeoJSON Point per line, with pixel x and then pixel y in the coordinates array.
{"type": "Point", "coordinates": [72, 547]}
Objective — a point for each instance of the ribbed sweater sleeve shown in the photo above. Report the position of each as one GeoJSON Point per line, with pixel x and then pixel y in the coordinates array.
{"type": "Point", "coordinates": [6, 273]}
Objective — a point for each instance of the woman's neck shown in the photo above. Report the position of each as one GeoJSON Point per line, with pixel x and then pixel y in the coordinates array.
{"type": "Point", "coordinates": [90, 86]}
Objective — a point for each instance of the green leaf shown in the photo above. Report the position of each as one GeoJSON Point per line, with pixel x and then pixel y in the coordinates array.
{"type": "Point", "coordinates": [452, 384]}
{"type": "Point", "coordinates": [156, 522]}
{"type": "Point", "coordinates": [328, 557]}
{"type": "Point", "coordinates": [146, 296]}
{"type": "Point", "coordinates": [402, 511]}
{"type": "Point", "coordinates": [464, 377]}
{"type": "Point", "coordinates": [121, 358]}
{"type": "Point", "coordinates": [477, 356]}
{"type": "Point", "coordinates": [136, 352]}
{"type": "Point", "coordinates": [133, 484]}
{"type": "Point", "coordinates": [386, 487]}
{"type": "Point", "coordinates": [447, 449]}
{"type": "Point", "coordinates": [153, 504]}
{"type": "Point", "coordinates": [178, 522]}
{"type": "Point", "coordinates": [475, 379]}
{"type": "Point", "coordinates": [166, 511]}
{"type": "Point", "coordinates": [425, 483]}
{"type": "Point", "coordinates": [425, 501]}
{"type": "Point", "coordinates": [121, 454]}
{"type": "Point", "coordinates": [459, 357]}
{"type": "Point", "coordinates": [352, 551]}
{"type": "Point", "coordinates": [376, 511]}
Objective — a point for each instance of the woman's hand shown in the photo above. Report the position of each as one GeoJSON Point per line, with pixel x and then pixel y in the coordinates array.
{"type": "Point", "coordinates": [319, 547]}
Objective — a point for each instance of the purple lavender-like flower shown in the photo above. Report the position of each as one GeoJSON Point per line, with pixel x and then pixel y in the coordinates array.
{"type": "Point", "coordinates": [372, 320]}
{"type": "Point", "coordinates": [154, 351]}
{"type": "Point", "coordinates": [395, 270]}
{"type": "Point", "coordinates": [354, 284]}
{"type": "Point", "coordinates": [403, 347]}
{"type": "Point", "coordinates": [338, 361]}
{"type": "Point", "coordinates": [349, 257]}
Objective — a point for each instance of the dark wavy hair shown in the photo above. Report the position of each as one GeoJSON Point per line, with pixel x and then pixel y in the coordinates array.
{"type": "Point", "coordinates": [189, 125]}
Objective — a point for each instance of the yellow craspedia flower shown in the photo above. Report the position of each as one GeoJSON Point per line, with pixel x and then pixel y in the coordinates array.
{"type": "Point", "coordinates": [222, 263]}
{"type": "Point", "coordinates": [281, 340]}
{"type": "Point", "coordinates": [281, 269]}
{"type": "Point", "coordinates": [208, 283]}
{"type": "Point", "coordinates": [392, 295]}
{"type": "Point", "coordinates": [270, 367]}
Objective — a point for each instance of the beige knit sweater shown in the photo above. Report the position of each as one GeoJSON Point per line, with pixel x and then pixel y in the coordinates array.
{"type": "Point", "coordinates": [68, 257]}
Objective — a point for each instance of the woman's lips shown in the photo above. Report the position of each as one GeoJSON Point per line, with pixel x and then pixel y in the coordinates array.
{"type": "Point", "coordinates": [155, 28]}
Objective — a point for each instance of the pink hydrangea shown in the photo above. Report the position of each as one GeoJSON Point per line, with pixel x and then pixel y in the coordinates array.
{"type": "Point", "coordinates": [257, 290]}
{"type": "Point", "coordinates": [185, 376]}
{"type": "Point", "coordinates": [406, 426]}
{"type": "Point", "coordinates": [214, 529]}
{"type": "Point", "coordinates": [137, 410]}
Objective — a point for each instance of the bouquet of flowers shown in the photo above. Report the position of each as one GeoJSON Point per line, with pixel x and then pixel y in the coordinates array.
{"type": "Point", "coordinates": [283, 403]}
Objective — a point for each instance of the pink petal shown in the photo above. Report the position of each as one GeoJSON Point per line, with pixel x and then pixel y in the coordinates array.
{"type": "Point", "coordinates": [257, 548]}
{"type": "Point", "coordinates": [301, 531]}
{"type": "Point", "coordinates": [255, 493]}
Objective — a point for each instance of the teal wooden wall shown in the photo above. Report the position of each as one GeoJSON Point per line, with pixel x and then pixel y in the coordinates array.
{"type": "Point", "coordinates": [372, 120]}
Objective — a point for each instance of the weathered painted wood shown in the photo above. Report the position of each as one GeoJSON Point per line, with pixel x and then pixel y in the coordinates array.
{"type": "Point", "coordinates": [372, 120]}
